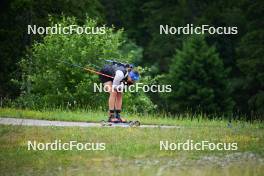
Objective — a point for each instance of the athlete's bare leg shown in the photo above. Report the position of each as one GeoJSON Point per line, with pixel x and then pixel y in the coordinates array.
{"type": "Point", "coordinates": [112, 99]}
{"type": "Point", "coordinates": [118, 103]}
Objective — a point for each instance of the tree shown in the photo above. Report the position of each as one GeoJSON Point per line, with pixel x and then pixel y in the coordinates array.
{"type": "Point", "coordinates": [198, 79]}
{"type": "Point", "coordinates": [16, 15]}
{"type": "Point", "coordinates": [250, 60]}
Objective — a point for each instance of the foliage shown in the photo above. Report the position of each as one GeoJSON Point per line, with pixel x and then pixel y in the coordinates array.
{"type": "Point", "coordinates": [49, 75]}
{"type": "Point", "coordinates": [242, 53]}
{"type": "Point", "coordinates": [198, 79]}
{"type": "Point", "coordinates": [251, 63]}
{"type": "Point", "coordinates": [16, 15]}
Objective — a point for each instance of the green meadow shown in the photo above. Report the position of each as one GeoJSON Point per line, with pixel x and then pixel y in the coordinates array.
{"type": "Point", "coordinates": [129, 151]}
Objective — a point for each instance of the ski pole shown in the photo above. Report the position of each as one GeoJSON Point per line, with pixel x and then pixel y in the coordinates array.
{"type": "Point", "coordinates": [96, 72]}
{"type": "Point", "coordinates": [85, 68]}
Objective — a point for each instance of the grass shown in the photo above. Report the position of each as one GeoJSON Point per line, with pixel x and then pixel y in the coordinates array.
{"type": "Point", "coordinates": [97, 116]}
{"type": "Point", "coordinates": [129, 151]}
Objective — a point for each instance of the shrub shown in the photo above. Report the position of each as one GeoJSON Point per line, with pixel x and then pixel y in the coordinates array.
{"type": "Point", "coordinates": [47, 76]}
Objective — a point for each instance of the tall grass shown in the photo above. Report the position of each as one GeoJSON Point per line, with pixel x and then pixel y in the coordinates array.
{"type": "Point", "coordinates": [88, 115]}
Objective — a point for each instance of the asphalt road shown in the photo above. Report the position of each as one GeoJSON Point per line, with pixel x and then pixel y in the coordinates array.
{"type": "Point", "coordinates": [34, 122]}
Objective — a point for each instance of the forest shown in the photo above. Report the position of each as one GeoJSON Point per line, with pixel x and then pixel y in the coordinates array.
{"type": "Point", "coordinates": [210, 74]}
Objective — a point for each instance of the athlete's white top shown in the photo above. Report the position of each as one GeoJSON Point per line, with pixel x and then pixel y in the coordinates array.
{"type": "Point", "coordinates": [117, 82]}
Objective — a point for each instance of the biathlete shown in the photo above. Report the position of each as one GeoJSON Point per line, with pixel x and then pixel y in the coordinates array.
{"type": "Point", "coordinates": [123, 74]}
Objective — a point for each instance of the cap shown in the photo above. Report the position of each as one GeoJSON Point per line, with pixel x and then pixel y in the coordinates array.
{"type": "Point", "coordinates": [134, 75]}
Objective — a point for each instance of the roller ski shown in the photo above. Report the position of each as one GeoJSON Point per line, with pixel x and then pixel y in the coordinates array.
{"type": "Point", "coordinates": [118, 121]}
{"type": "Point", "coordinates": [121, 124]}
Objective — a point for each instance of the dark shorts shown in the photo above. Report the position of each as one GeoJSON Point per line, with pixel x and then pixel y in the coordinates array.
{"type": "Point", "coordinates": [108, 70]}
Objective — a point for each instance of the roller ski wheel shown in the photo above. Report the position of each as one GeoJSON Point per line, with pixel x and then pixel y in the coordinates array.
{"type": "Point", "coordinates": [105, 123]}
{"type": "Point", "coordinates": [134, 123]}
